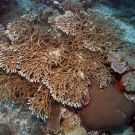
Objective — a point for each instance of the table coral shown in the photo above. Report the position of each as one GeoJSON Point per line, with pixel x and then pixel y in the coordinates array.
{"type": "Point", "coordinates": [98, 31]}
{"type": "Point", "coordinates": [58, 68]}
{"type": "Point", "coordinates": [55, 58]}
{"type": "Point", "coordinates": [15, 88]}
{"type": "Point", "coordinates": [18, 90]}
{"type": "Point", "coordinates": [40, 103]}
{"type": "Point", "coordinates": [15, 29]}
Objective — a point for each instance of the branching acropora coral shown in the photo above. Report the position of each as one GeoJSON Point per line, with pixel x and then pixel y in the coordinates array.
{"type": "Point", "coordinates": [16, 29]}
{"type": "Point", "coordinates": [61, 68]}
{"type": "Point", "coordinates": [40, 104]}
{"type": "Point", "coordinates": [95, 29]}
{"type": "Point", "coordinates": [15, 88]}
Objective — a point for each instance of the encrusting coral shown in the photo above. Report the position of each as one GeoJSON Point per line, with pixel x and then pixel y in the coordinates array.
{"type": "Point", "coordinates": [57, 67]}
{"type": "Point", "coordinates": [71, 124]}
{"type": "Point", "coordinates": [70, 121]}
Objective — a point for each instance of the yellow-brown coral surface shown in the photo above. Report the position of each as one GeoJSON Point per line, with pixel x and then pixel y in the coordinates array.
{"type": "Point", "coordinates": [60, 67]}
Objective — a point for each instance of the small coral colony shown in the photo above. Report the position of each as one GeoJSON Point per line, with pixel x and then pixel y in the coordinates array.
{"type": "Point", "coordinates": [42, 64]}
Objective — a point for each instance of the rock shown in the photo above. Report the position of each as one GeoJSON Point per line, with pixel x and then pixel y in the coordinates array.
{"type": "Point", "coordinates": [54, 121]}
{"type": "Point", "coordinates": [116, 3]}
{"type": "Point", "coordinates": [88, 3]}
{"type": "Point", "coordinates": [4, 129]}
{"type": "Point", "coordinates": [132, 19]}
{"type": "Point", "coordinates": [77, 131]}
{"type": "Point", "coordinates": [108, 109]}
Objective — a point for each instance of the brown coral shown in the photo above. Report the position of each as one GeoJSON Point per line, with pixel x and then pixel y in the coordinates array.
{"type": "Point", "coordinates": [15, 88]}
{"type": "Point", "coordinates": [16, 29]}
{"type": "Point", "coordinates": [40, 103]}
{"type": "Point", "coordinates": [60, 67]}
{"type": "Point", "coordinates": [98, 31]}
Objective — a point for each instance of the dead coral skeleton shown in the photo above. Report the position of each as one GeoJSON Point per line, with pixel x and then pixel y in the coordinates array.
{"type": "Point", "coordinates": [65, 23]}
{"type": "Point", "coordinates": [18, 90]}
{"type": "Point", "coordinates": [15, 88]}
{"type": "Point", "coordinates": [53, 123]}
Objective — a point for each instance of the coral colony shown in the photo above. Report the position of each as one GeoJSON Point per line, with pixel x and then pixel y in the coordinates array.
{"type": "Point", "coordinates": [53, 68]}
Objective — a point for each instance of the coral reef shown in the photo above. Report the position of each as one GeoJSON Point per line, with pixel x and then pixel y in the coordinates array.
{"type": "Point", "coordinates": [21, 89]}
{"type": "Point", "coordinates": [16, 29]}
{"type": "Point", "coordinates": [56, 58]}
{"type": "Point", "coordinates": [54, 68]}
{"type": "Point", "coordinates": [122, 58]}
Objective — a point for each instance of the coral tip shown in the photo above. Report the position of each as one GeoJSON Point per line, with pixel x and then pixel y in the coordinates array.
{"type": "Point", "coordinates": [120, 86]}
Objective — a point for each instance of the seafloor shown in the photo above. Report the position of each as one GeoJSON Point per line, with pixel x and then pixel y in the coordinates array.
{"type": "Point", "coordinates": [16, 119]}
